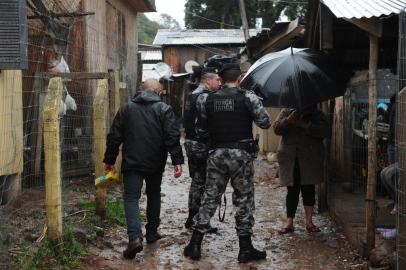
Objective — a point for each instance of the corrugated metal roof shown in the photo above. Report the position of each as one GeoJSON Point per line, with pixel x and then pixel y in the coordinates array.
{"type": "Point", "coordinates": [364, 8]}
{"type": "Point", "coordinates": [201, 36]}
{"type": "Point", "coordinates": [151, 55]}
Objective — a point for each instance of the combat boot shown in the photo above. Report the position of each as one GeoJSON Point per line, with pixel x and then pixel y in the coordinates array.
{"type": "Point", "coordinates": [189, 220]}
{"type": "Point", "coordinates": [248, 252]}
{"type": "Point", "coordinates": [194, 249]}
{"type": "Point", "coordinates": [152, 236]}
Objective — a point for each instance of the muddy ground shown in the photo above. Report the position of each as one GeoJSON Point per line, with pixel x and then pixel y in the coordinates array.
{"type": "Point", "coordinates": [23, 222]}
{"type": "Point", "coordinates": [325, 250]}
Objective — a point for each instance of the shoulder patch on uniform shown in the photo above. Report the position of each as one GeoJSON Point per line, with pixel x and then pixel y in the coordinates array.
{"type": "Point", "coordinates": [224, 105]}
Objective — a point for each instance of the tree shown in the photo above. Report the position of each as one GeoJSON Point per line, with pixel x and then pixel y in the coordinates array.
{"type": "Point", "coordinates": [205, 14]}
{"type": "Point", "coordinates": [147, 28]}
{"type": "Point", "coordinates": [168, 22]}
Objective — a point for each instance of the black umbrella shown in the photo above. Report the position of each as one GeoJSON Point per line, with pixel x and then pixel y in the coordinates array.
{"type": "Point", "coordinates": [293, 78]}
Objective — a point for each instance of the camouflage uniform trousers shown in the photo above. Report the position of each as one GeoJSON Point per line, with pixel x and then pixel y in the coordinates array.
{"type": "Point", "coordinates": [223, 165]}
{"type": "Point", "coordinates": [197, 161]}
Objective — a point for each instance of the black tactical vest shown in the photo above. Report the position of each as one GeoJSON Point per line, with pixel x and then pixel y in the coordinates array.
{"type": "Point", "coordinates": [229, 119]}
{"type": "Point", "coordinates": [190, 116]}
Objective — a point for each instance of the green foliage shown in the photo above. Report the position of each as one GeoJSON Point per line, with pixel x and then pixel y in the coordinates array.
{"type": "Point", "coordinates": [115, 211]}
{"type": "Point", "coordinates": [147, 28]}
{"type": "Point", "coordinates": [51, 255]}
{"type": "Point", "coordinates": [227, 14]}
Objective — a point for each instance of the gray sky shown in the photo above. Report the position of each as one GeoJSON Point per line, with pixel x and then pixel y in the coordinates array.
{"type": "Point", "coordinates": [175, 8]}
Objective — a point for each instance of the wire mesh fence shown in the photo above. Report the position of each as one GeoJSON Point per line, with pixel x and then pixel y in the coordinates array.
{"type": "Point", "coordinates": [400, 146]}
{"type": "Point", "coordinates": [84, 43]}
{"type": "Point", "coordinates": [401, 183]}
{"type": "Point", "coordinates": [351, 175]}
{"type": "Point", "coordinates": [74, 43]}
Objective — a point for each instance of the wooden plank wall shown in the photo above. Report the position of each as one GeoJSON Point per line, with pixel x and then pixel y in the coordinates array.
{"type": "Point", "coordinates": [11, 122]}
{"type": "Point", "coordinates": [337, 137]}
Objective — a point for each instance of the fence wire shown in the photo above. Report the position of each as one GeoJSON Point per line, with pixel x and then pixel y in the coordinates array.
{"type": "Point", "coordinates": [90, 44]}
{"type": "Point", "coordinates": [351, 175]}
{"type": "Point", "coordinates": [400, 143]}
{"type": "Point", "coordinates": [81, 45]}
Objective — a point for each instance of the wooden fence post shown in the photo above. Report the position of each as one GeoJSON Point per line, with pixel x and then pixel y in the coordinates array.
{"type": "Point", "coordinates": [100, 110]}
{"type": "Point", "coordinates": [371, 184]}
{"type": "Point", "coordinates": [115, 103]}
{"type": "Point", "coordinates": [53, 187]}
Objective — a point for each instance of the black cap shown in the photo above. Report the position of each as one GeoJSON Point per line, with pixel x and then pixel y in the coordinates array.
{"type": "Point", "coordinates": [207, 70]}
{"type": "Point", "coordinates": [230, 67]}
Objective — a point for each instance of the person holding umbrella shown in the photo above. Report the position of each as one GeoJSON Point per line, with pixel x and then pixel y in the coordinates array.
{"type": "Point", "coordinates": [300, 156]}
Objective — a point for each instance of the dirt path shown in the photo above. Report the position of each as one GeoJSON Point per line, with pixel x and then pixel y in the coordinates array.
{"type": "Point", "coordinates": [325, 250]}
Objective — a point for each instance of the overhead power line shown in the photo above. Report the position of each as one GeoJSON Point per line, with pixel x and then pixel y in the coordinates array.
{"type": "Point", "coordinates": [204, 18]}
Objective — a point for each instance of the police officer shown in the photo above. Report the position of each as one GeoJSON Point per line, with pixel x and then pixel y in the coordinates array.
{"type": "Point", "coordinates": [225, 118]}
{"type": "Point", "coordinates": [197, 149]}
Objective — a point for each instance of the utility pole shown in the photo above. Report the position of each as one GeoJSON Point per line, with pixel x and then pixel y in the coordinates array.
{"type": "Point", "coordinates": [244, 20]}
{"type": "Point", "coordinates": [244, 24]}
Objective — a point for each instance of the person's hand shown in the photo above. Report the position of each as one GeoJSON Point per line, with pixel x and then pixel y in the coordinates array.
{"type": "Point", "coordinates": [109, 168]}
{"type": "Point", "coordinates": [293, 117]}
{"type": "Point", "coordinates": [177, 171]}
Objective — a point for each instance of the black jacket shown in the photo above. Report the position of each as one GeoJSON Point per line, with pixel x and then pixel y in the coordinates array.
{"type": "Point", "coordinates": [148, 130]}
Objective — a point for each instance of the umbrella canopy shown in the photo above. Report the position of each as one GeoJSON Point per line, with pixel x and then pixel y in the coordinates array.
{"type": "Point", "coordinates": [293, 78]}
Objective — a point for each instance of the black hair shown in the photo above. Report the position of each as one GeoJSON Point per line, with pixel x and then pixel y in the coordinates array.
{"type": "Point", "coordinates": [230, 75]}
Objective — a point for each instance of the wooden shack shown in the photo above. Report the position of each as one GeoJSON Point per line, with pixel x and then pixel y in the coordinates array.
{"type": "Point", "coordinates": [180, 46]}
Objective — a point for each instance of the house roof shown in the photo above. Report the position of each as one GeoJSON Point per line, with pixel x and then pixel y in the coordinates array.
{"type": "Point", "coordinates": [201, 36]}
{"type": "Point", "coordinates": [280, 36]}
{"type": "Point", "coordinates": [349, 9]}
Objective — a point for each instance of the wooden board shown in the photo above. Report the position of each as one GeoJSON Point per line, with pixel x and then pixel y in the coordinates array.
{"type": "Point", "coordinates": [11, 123]}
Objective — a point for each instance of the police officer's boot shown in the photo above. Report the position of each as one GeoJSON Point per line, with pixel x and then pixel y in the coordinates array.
{"type": "Point", "coordinates": [194, 249]}
{"type": "Point", "coordinates": [189, 220]}
{"type": "Point", "coordinates": [248, 252]}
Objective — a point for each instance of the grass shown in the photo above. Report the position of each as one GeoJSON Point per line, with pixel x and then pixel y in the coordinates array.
{"type": "Point", "coordinates": [68, 255]}
{"type": "Point", "coordinates": [115, 210]}
{"type": "Point", "coordinates": [51, 255]}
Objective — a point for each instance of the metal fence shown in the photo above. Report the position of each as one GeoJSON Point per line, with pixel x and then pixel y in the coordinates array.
{"type": "Point", "coordinates": [86, 50]}
{"type": "Point", "coordinates": [400, 142]}
{"type": "Point", "coordinates": [401, 177]}
{"type": "Point", "coordinates": [351, 175]}
{"type": "Point", "coordinates": [76, 44]}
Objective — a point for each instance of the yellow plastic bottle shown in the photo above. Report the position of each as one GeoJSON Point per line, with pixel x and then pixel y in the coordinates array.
{"type": "Point", "coordinates": [107, 180]}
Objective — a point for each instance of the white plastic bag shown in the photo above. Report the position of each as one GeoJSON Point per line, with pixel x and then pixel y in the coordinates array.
{"type": "Point", "coordinates": [69, 101]}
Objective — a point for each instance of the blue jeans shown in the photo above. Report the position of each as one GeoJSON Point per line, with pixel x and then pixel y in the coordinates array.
{"type": "Point", "coordinates": [132, 192]}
